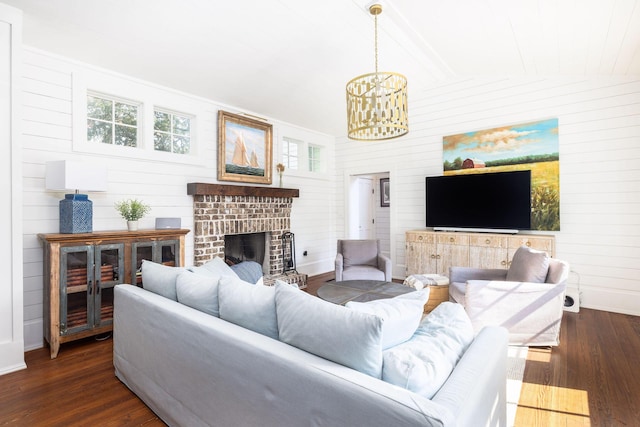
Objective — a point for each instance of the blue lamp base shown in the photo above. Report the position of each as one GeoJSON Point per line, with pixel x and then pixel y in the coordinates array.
{"type": "Point", "coordinates": [76, 214]}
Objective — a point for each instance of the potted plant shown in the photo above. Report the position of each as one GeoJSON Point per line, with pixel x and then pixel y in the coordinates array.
{"type": "Point", "coordinates": [132, 210]}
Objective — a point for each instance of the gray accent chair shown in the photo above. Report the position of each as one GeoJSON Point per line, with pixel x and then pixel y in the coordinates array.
{"type": "Point", "coordinates": [527, 299]}
{"type": "Point", "coordinates": [360, 259]}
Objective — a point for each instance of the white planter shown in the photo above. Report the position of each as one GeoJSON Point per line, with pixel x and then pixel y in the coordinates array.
{"type": "Point", "coordinates": [132, 225]}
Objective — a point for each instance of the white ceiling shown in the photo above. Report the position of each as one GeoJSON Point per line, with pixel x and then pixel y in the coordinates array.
{"type": "Point", "coordinates": [291, 59]}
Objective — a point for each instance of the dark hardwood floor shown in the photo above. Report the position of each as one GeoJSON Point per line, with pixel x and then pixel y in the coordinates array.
{"type": "Point", "coordinates": [591, 379]}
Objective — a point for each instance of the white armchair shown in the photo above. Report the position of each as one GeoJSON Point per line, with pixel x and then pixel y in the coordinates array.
{"type": "Point", "coordinates": [527, 299]}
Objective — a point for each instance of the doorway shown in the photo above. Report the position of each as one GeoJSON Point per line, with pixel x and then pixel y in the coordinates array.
{"type": "Point", "coordinates": [368, 217]}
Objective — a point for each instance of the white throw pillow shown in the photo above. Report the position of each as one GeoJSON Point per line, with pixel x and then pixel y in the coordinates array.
{"type": "Point", "coordinates": [401, 315]}
{"type": "Point", "coordinates": [331, 331]}
{"type": "Point", "coordinates": [160, 279]}
{"type": "Point", "coordinates": [199, 292]}
{"type": "Point", "coordinates": [424, 363]}
{"type": "Point", "coordinates": [248, 305]}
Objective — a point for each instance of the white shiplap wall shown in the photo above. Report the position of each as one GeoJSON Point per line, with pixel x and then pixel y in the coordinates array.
{"type": "Point", "coordinates": [599, 125]}
{"type": "Point", "coordinates": [51, 85]}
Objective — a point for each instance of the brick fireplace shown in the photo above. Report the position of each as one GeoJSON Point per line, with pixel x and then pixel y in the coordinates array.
{"type": "Point", "coordinates": [220, 210]}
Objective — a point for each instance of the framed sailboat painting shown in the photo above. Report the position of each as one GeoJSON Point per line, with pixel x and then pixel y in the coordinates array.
{"type": "Point", "coordinates": [244, 149]}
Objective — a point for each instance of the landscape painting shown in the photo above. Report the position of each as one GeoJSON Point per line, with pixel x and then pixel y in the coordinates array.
{"type": "Point", "coordinates": [528, 146]}
{"type": "Point", "coordinates": [244, 149]}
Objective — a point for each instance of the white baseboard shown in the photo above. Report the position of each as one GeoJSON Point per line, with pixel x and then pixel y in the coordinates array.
{"type": "Point", "coordinates": [613, 300]}
{"type": "Point", "coordinates": [33, 337]}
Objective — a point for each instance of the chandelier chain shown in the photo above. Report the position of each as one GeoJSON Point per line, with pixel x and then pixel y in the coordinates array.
{"type": "Point", "coordinates": [375, 32]}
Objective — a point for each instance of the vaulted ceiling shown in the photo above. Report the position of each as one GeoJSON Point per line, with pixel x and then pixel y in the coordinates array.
{"type": "Point", "coordinates": [291, 59]}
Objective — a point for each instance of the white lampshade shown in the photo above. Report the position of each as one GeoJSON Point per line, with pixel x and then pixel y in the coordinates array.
{"type": "Point", "coordinates": [64, 175]}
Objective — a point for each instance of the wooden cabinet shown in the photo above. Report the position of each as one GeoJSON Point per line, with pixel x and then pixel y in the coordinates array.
{"type": "Point", "coordinates": [488, 251]}
{"type": "Point", "coordinates": [435, 252]}
{"type": "Point", "coordinates": [81, 271]}
{"type": "Point", "coordinates": [429, 252]}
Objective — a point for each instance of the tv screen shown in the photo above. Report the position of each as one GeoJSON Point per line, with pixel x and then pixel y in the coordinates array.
{"type": "Point", "coordinates": [500, 201]}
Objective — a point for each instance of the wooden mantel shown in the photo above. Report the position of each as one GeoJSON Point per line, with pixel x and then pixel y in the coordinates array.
{"type": "Point", "coordinates": [200, 188]}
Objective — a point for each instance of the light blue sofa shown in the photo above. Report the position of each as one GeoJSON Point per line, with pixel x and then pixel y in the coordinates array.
{"type": "Point", "coordinates": [193, 369]}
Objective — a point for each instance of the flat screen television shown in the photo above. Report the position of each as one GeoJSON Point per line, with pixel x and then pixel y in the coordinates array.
{"type": "Point", "coordinates": [487, 201]}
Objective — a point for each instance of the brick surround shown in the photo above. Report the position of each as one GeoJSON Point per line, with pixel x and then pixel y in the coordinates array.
{"type": "Point", "coordinates": [232, 209]}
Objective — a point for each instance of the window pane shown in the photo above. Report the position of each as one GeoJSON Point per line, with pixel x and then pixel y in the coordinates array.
{"type": "Point", "coordinates": [126, 114]}
{"type": "Point", "coordinates": [161, 141]}
{"type": "Point", "coordinates": [293, 163]}
{"type": "Point", "coordinates": [181, 125]}
{"type": "Point", "coordinates": [125, 135]}
{"type": "Point", "coordinates": [293, 149]}
{"type": "Point", "coordinates": [99, 132]}
{"type": "Point", "coordinates": [181, 144]}
{"type": "Point", "coordinates": [98, 108]}
{"type": "Point", "coordinates": [162, 121]}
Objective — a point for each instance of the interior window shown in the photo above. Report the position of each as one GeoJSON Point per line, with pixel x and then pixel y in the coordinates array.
{"type": "Point", "coordinates": [171, 132]}
{"type": "Point", "coordinates": [112, 121]}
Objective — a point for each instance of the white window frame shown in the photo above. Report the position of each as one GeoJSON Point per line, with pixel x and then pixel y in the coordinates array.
{"type": "Point", "coordinates": [321, 158]}
{"type": "Point", "coordinates": [112, 85]}
{"type": "Point", "coordinates": [305, 138]}
{"type": "Point", "coordinates": [173, 113]}
{"type": "Point", "coordinates": [286, 158]}
{"type": "Point", "coordinates": [117, 99]}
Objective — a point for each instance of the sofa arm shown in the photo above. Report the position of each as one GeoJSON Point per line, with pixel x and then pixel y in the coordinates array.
{"type": "Point", "coordinates": [476, 389]}
{"type": "Point", "coordinates": [384, 264]}
{"type": "Point", "coordinates": [462, 274]}
{"type": "Point", "coordinates": [532, 312]}
{"type": "Point", "coordinates": [339, 264]}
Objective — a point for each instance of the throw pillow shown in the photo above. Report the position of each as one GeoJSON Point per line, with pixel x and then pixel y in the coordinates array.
{"type": "Point", "coordinates": [160, 279]}
{"type": "Point", "coordinates": [360, 252]}
{"type": "Point", "coordinates": [199, 292]}
{"type": "Point", "coordinates": [216, 267]}
{"type": "Point", "coordinates": [424, 363]}
{"type": "Point", "coordinates": [282, 282]}
{"type": "Point", "coordinates": [528, 265]}
{"type": "Point", "coordinates": [249, 271]}
{"type": "Point", "coordinates": [331, 331]}
{"type": "Point", "coordinates": [247, 305]}
{"type": "Point", "coordinates": [401, 315]}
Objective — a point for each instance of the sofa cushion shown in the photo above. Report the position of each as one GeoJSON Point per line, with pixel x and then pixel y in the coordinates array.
{"type": "Point", "coordinates": [360, 252]}
{"type": "Point", "coordinates": [247, 305]}
{"type": "Point", "coordinates": [199, 292]}
{"type": "Point", "coordinates": [160, 279]}
{"type": "Point", "coordinates": [249, 271]}
{"type": "Point", "coordinates": [216, 267]}
{"type": "Point", "coordinates": [401, 315]}
{"type": "Point", "coordinates": [424, 363]}
{"type": "Point", "coordinates": [528, 265]}
{"type": "Point", "coordinates": [348, 337]}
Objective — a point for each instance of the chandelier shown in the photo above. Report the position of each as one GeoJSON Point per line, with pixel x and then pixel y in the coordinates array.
{"type": "Point", "coordinates": [377, 102]}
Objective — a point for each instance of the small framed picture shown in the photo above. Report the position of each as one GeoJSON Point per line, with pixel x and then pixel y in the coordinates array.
{"type": "Point", "coordinates": [244, 149]}
{"type": "Point", "coordinates": [385, 193]}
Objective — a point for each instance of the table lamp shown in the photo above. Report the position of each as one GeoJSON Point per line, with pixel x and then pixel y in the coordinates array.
{"type": "Point", "coordinates": [76, 210]}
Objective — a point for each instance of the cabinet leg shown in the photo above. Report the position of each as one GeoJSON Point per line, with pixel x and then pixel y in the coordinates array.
{"type": "Point", "coordinates": [54, 348]}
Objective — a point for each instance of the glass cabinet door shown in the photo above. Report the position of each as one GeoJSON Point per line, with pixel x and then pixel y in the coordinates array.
{"type": "Point", "coordinates": [168, 249]}
{"type": "Point", "coordinates": [109, 271]}
{"type": "Point", "coordinates": [161, 252]}
{"type": "Point", "coordinates": [76, 289]}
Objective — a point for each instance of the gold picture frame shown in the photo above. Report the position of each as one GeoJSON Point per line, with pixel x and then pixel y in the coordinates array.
{"type": "Point", "coordinates": [244, 149]}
